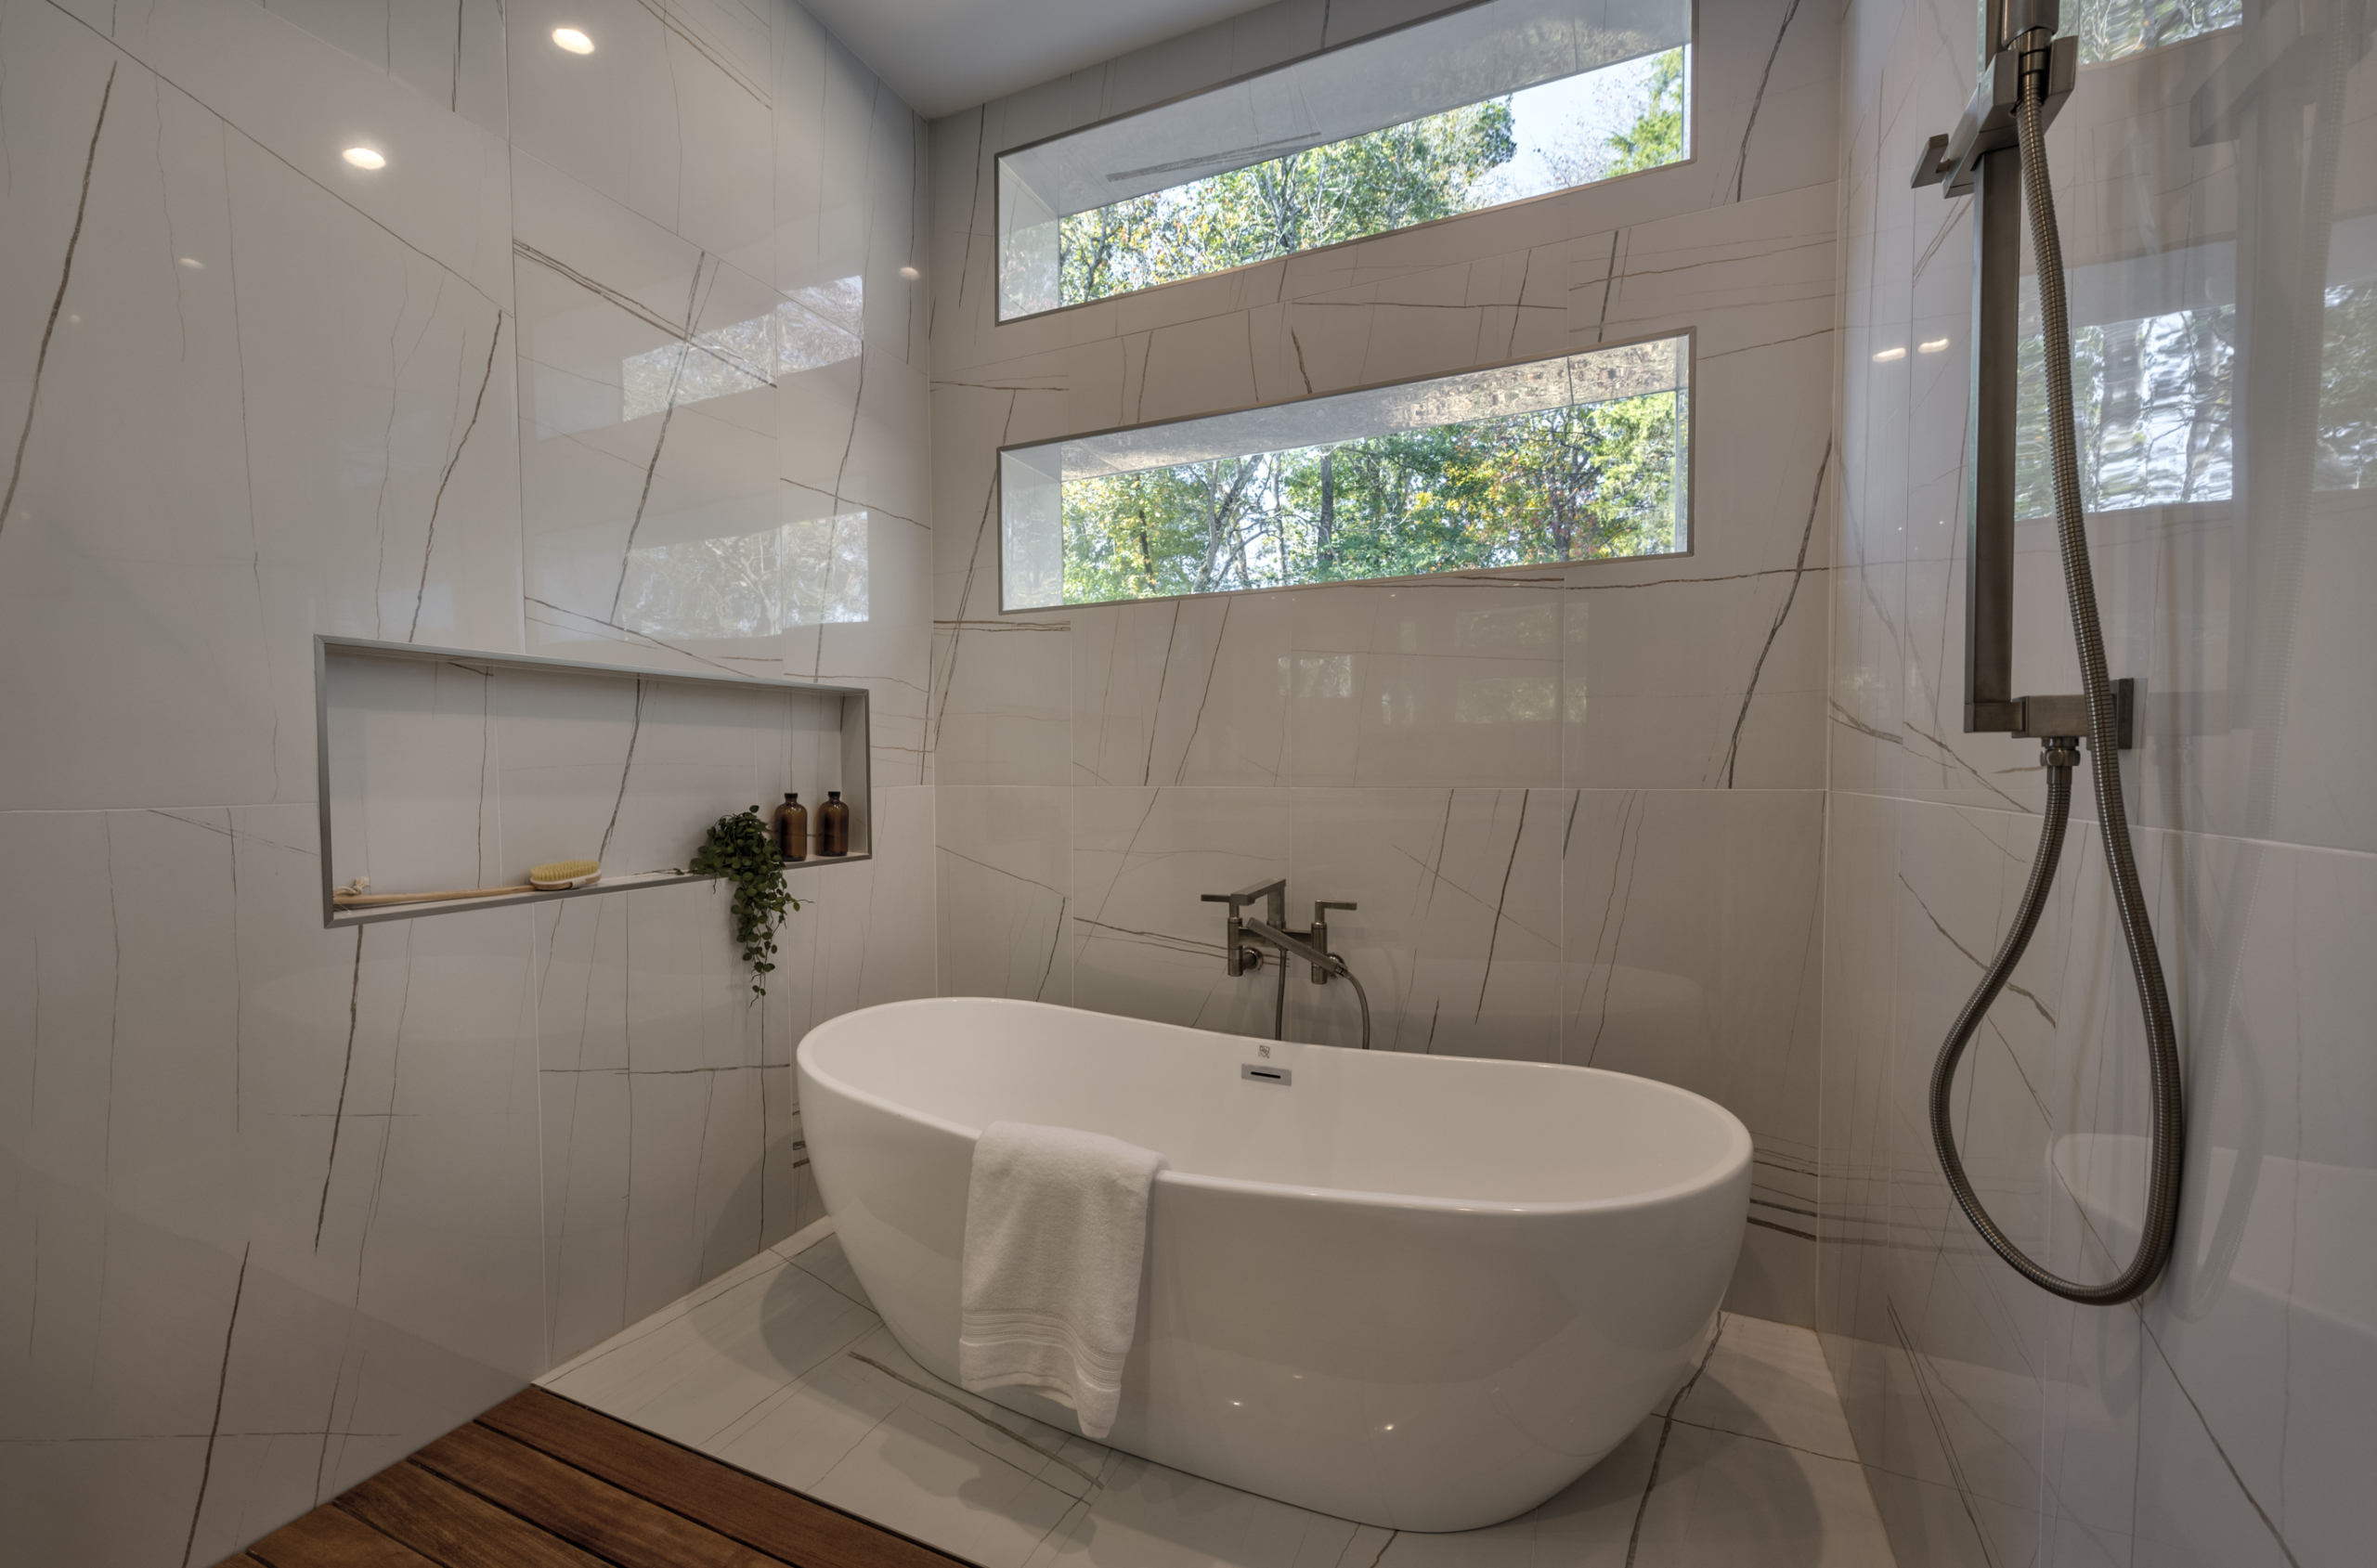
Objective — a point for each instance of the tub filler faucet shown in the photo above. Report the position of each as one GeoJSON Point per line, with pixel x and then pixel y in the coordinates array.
{"type": "Point", "coordinates": [1240, 956]}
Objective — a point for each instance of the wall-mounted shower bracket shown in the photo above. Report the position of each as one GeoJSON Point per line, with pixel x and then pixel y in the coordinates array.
{"type": "Point", "coordinates": [1987, 125]}
{"type": "Point", "coordinates": [1981, 157]}
{"type": "Point", "coordinates": [2042, 718]}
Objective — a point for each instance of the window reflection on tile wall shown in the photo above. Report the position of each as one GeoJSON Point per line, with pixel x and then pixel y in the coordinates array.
{"type": "Point", "coordinates": [817, 328]}
{"type": "Point", "coordinates": [380, 1175]}
{"type": "Point", "coordinates": [2154, 336]}
{"type": "Point", "coordinates": [2154, 350]}
{"type": "Point", "coordinates": [2109, 29]}
{"type": "Point", "coordinates": [808, 573]}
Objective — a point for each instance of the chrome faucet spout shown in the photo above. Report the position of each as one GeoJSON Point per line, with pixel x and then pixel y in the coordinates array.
{"type": "Point", "coordinates": [1242, 929]}
{"type": "Point", "coordinates": [1290, 943]}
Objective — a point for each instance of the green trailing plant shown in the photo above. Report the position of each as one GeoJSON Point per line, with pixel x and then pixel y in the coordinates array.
{"type": "Point", "coordinates": [741, 849]}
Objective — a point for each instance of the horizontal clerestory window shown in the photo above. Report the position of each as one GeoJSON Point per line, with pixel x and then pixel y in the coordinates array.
{"type": "Point", "coordinates": [1579, 458]}
{"type": "Point", "coordinates": [1488, 104]}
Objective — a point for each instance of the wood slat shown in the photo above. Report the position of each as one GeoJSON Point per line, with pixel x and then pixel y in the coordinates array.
{"type": "Point", "coordinates": [327, 1539]}
{"type": "Point", "coordinates": [782, 1524]}
{"type": "Point", "coordinates": [453, 1528]}
{"type": "Point", "coordinates": [576, 1507]}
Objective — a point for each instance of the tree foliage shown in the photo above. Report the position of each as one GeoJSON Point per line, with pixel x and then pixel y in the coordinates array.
{"type": "Point", "coordinates": [1656, 137]}
{"type": "Point", "coordinates": [1366, 185]}
{"type": "Point", "coordinates": [1561, 485]}
{"type": "Point", "coordinates": [1434, 167]}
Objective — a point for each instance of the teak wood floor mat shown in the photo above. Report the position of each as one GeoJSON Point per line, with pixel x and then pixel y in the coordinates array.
{"type": "Point", "coordinates": [541, 1482]}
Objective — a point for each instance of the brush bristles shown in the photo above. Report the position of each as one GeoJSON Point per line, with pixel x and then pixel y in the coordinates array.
{"type": "Point", "coordinates": [563, 871]}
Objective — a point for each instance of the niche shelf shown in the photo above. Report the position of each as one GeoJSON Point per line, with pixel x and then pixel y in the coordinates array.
{"type": "Point", "coordinates": [443, 768]}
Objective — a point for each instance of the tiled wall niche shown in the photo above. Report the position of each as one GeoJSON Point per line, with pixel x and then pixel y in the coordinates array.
{"type": "Point", "coordinates": [446, 769]}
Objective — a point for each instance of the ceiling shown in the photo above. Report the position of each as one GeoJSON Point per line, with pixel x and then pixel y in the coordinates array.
{"type": "Point", "coordinates": [945, 55]}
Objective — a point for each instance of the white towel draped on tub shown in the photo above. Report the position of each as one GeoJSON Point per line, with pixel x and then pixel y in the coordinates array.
{"type": "Point", "coordinates": [1056, 1228]}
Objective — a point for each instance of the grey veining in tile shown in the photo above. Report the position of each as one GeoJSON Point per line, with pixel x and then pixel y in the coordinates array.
{"type": "Point", "coordinates": [2207, 1424]}
{"type": "Point", "coordinates": [1447, 752]}
{"type": "Point", "coordinates": [286, 1203]}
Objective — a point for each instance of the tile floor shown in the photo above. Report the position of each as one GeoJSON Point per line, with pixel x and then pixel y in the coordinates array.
{"type": "Point", "coordinates": [780, 1367]}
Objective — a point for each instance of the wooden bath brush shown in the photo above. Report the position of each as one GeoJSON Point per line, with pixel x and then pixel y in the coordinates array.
{"type": "Point", "coordinates": [542, 878]}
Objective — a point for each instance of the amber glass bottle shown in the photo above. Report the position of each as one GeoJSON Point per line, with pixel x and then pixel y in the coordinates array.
{"type": "Point", "coordinates": [833, 825]}
{"type": "Point", "coordinates": [792, 828]}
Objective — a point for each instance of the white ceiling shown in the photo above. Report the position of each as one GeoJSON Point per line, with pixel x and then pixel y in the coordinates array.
{"type": "Point", "coordinates": [945, 55]}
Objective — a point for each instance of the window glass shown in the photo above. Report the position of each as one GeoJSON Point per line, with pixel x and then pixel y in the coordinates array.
{"type": "Point", "coordinates": [1488, 104]}
{"type": "Point", "coordinates": [1581, 457]}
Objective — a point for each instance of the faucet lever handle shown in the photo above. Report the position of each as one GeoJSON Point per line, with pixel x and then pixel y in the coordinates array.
{"type": "Point", "coordinates": [1320, 908]}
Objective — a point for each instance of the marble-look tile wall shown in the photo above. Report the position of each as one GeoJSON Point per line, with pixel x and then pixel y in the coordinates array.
{"type": "Point", "coordinates": [1581, 808]}
{"type": "Point", "coordinates": [2228, 1418]}
{"type": "Point", "coordinates": [282, 1204]}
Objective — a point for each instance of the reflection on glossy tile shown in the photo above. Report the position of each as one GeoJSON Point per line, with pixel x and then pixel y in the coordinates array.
{"type": "Point", "coordinates": [1144, 945]}
{"type": "Point", "coordinates": [1691, 934]}
{"type": "Point", "coordinates": [782, 1370]}
{"type": "Point", "coordinates": [1004, 891]}
{"type": "Point", "coordinates": [1189, 692]}
{"type": "Point", "coordinates": [285, 1202]}
{"type": "Point", "coordinates": [1439, 682]}
{"type": "Point", "coordinates": [2208, 1424]}
{"type": "Point", "coordinates": [272, 1180]}
{"type": "Point", "coordinates": [1457, 935]}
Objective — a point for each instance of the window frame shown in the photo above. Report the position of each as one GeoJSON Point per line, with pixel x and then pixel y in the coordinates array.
{"type": "Point", "coordinates": [998, 197]}
{"type": "Point", "coordinates": [1689, 334]}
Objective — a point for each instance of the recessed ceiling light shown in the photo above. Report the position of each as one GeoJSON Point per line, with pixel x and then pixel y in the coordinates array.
{"type": "Point", "coordinates": [365, 158]}
{"type": "Point", "coordinates": [910, 273]}
{"type": "Point", "coordinates": [577, 43]}
{"type": "Point", "coordinates": [1934, 346]}
{"type": "Point", "coordinates": [1887, 355]}
{"type": "Point", "coordinates": [190, 262]}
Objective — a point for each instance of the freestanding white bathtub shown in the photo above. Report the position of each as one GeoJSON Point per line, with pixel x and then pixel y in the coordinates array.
{"type": "Point", "coordinates": [1420, 1292]}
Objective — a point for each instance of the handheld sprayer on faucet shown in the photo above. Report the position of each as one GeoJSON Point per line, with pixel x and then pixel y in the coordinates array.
{"type": "Point", "coordinates": [1310, 947]}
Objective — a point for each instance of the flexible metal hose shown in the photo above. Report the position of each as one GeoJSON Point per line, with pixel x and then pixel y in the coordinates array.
{"type": "Point", "coordinates": [1359, 995]}
{"type": "Point", "coordinates": [2167, 1144]}
{"type": "Point", "coordinates": [1279, 1008]}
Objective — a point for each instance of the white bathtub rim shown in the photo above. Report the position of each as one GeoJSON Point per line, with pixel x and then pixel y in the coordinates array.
{"type": "Point", "coordinates": [1740, 1146]}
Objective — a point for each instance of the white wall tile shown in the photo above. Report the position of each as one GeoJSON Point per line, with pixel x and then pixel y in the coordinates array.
{"type": "Point", "coordinates": [1457, 936]}
{"type": "Point", "coordinates": [1692, 933]}
{"type": "Point", "coordinates": [2002, 1423]}
{"type": "Point", "coordinates": [288, 1201]}
{"type": "Point", "coordinates": [1144, 946]}
{"type": "Point", "coordinates": [1004, 890]}
{"type": "Point", "coordinates": [1419, 747]}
